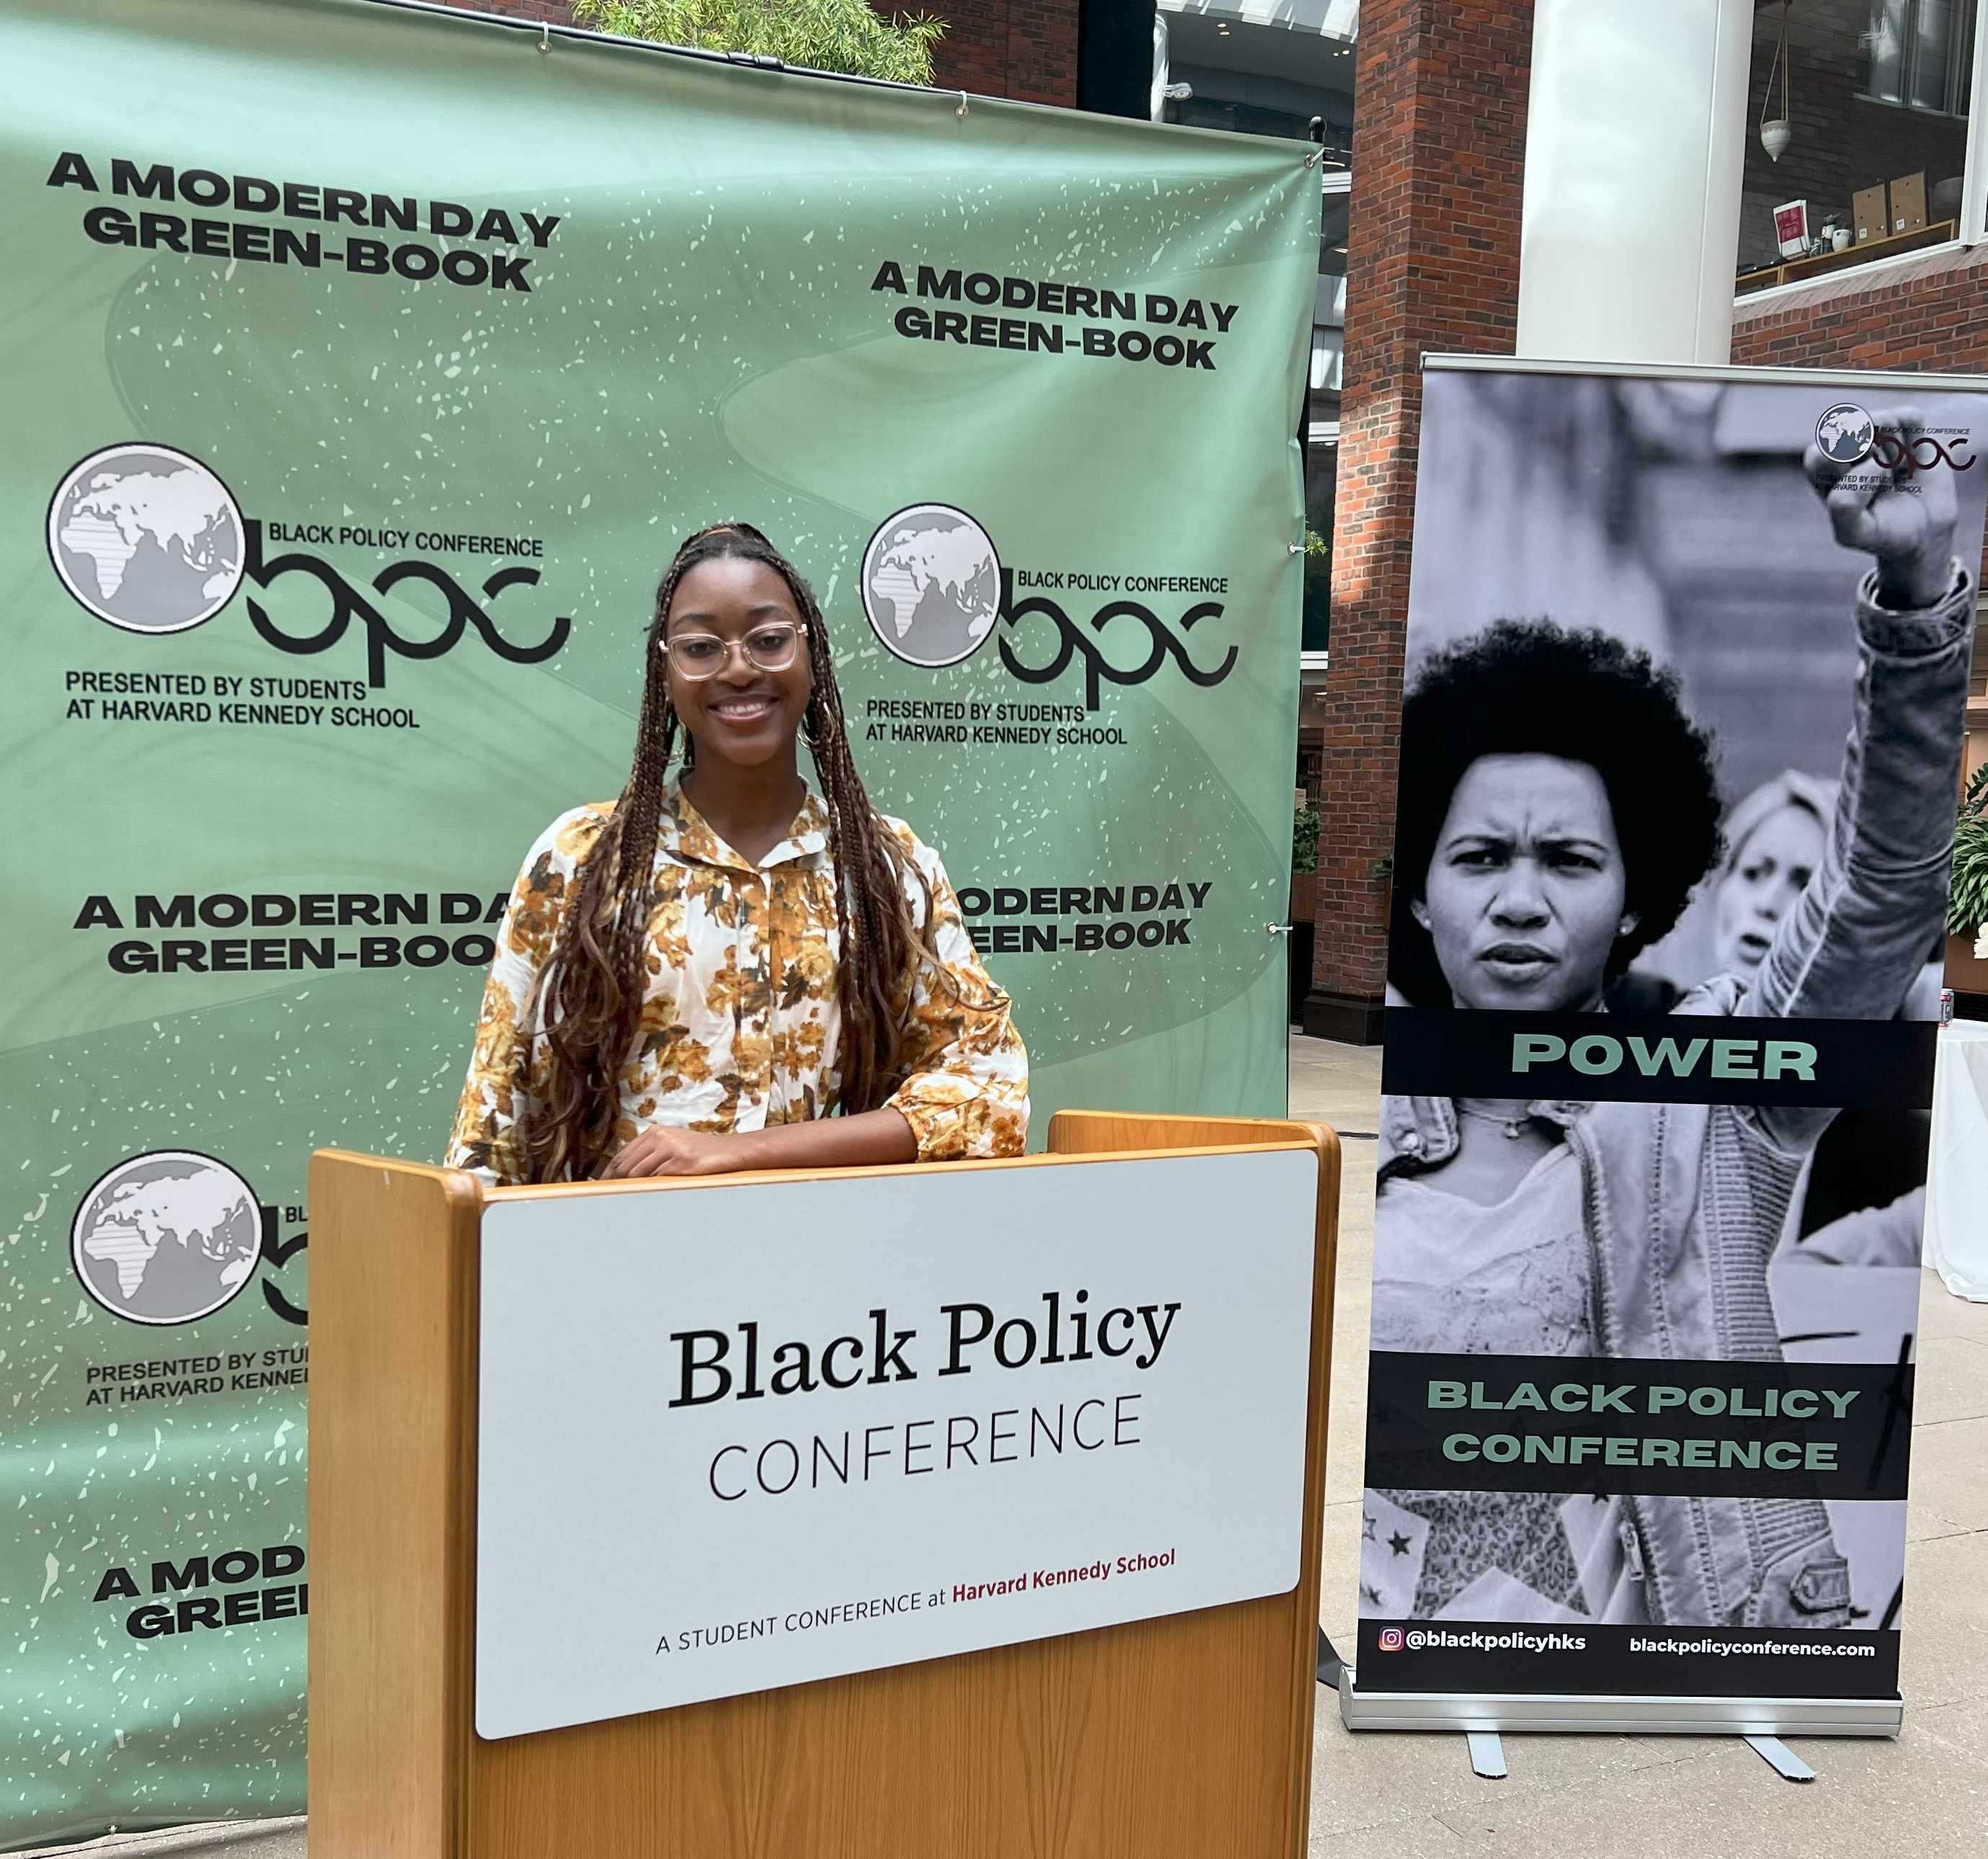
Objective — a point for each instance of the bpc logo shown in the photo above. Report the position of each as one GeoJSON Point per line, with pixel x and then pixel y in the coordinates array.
{"type": "Point", "coordinates": [349, 604]}
{"type": "Point", "coordinates": [1846, 434]}
{"type": "Point", "coordinates": [147, 538]}
{"type": "Point", "coordinates": [151, 540]}
{"type": "Point", "coordinates": [171, 1235]}
{"type": "Point", "coordinates": [934, 587]}
{"type": "Point", "coordinates": [166, 1237]}
{"type": "Point", "coordinates": [1072, 644]}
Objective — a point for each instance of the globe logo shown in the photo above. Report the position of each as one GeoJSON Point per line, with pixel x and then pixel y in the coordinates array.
{"type": "Point", "coordinates": [147, 538]}
{"type": "Point", "coordinates": [1843, 434]}
{"type": "Point", "coordinates": [932, 584]}
{"type": "Point", "coordinates": [166, 1237]}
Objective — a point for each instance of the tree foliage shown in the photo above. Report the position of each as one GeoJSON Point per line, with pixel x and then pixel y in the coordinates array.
{"type": "Point", "coordinates": [843, 35]}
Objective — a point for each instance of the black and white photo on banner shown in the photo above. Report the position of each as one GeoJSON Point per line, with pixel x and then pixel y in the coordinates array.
{"type": "Point", "coordinates": [1686, 672]}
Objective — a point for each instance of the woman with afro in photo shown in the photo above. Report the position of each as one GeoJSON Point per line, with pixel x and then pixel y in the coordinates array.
{"type": "Point", "coordinates": [1558, 810]}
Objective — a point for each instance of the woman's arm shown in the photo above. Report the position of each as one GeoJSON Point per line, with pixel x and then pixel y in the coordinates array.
{"type": "Point", "coordinates": [965, 1092]}
{"type": "Point", "coordinates": [875, 1137]}
{"type": "Point", "coordinates": [496, 1094]}
{"type": "Point", "coordinates": [1857, 938]}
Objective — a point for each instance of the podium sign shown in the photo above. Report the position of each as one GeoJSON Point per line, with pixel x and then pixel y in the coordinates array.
{"type": "Point", "coordinates": [763, 1433]}
{"type": "Point", "coordinates": [522, 1489]}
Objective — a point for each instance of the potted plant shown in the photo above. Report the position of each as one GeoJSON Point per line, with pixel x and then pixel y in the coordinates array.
{"type": "Point", "coordinates": [1967, 907]}
{"type": "Point", "coordinates": [1304, 864]}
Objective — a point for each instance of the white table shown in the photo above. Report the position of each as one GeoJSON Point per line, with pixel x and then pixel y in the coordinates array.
{"type": "Point", "coordinates": [1956, 1219]}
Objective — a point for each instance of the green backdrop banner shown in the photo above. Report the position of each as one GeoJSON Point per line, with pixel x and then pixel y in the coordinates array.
{"type": "Point", "coordinates": [363, 367]}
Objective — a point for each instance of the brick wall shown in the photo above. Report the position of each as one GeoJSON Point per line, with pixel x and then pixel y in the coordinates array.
{"type": "Point", "coordinates": [1433, 263]}
{"type": "Point", "coordinates": [1023, 49]}
{"type": "Point", "coordinates": [555, 12]}
{"type": "Point", "coordinates": [1930, 312]}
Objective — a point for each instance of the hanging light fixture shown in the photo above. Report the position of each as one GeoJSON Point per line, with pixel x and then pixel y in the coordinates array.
{"type": "Point", "coordinates": [1778, 132]}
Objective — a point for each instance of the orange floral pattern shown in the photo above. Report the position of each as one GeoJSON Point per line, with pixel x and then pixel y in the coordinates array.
{"type": "Point", "coordinates": [740, 1024]}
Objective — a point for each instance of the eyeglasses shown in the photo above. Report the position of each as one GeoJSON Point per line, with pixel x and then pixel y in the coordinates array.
{"type": "Point", "coordinates": [693, 656]}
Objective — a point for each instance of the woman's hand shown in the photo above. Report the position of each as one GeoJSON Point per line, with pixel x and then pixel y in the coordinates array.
{"type": "Point", "coordinates": [659, 1151]}
{"type": "Point", "coordinates": [1902, 512]}
{"type": "Point", "coordinates": [874, 1138]}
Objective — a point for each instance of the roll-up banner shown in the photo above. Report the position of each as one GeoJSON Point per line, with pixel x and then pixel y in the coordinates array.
{"type": "Point", "coordinates": [1686, 674]}
{"type": "Point", "coordinates": [363, 366]}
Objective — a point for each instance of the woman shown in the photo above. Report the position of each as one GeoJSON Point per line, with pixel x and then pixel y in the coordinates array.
{"type": "Point", "coordinates": [1557, 810]}
{"type": "Point", "coordinates": [1774, 841]}
{"type": "Point", "coordinates": [722, 971]}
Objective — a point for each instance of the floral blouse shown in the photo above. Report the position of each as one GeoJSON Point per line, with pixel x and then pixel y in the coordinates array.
{"type": "Point", "coordinates": [740, 1024]}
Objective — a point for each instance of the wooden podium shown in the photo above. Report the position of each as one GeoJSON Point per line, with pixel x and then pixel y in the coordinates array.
{"type": "Point", "coordinates": [1188, 1735]}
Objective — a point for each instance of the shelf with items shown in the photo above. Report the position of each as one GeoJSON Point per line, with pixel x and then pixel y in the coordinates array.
{"type": "Point", "coordinates": [1798, 270]}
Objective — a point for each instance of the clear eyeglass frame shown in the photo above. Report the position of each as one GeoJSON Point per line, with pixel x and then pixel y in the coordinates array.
{"type": "Point", "coordinates": [768, 657]}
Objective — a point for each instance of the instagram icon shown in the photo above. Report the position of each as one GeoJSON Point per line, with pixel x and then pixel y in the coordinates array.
{"type": "Point", "coordinates": [1390, 1639]}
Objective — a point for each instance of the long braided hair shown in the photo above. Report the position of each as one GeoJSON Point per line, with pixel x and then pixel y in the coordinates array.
{"type": "Point", "coordinates": [587, 1003]}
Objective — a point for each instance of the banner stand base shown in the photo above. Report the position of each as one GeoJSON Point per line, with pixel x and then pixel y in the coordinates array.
{"type": "Point", "coordinates": [1563, 1713]}
{"type": "Point", "coordinates": [1779, 1757]}
{"type": "Point", "coordinates": [1487, 1754]}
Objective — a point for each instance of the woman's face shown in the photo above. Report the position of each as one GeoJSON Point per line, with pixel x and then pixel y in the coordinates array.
{"type": "Point", "coordinates": [1772, 867]}
{"type": "Point", "coordinates": [739, 713]}
{"type": "Point", "coordinates": [1523, 897]}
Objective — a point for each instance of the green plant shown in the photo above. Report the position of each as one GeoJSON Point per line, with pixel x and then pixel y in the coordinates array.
{"type": "Point", "coordinates": [1317, 590]}
{"type": "Point", "coordinates": [842, 35]}
{"type": "Point", "coordinates": [1304, 840]}
{"type": "Point", "coordinates": [1967, 908]}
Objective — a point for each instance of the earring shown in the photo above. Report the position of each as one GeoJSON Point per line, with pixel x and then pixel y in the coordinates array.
{"type": "Point", "coordinates": [685, 743]}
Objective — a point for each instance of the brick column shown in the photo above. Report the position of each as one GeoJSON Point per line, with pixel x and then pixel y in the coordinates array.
{"type": "Point", "coordinates": [1432, 264]}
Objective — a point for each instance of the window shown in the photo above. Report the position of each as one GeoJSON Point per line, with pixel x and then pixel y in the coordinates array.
{"type": "Point", "coordinates": [1870, 104]}
{"type": "Point", "coordinates": [1884, 46]}
{"type": "Point", "coordinates": [1322, 402]}
{"type": "Point", "coordinates": [1321, 493]}
{"type": "Point", "coordinates": [1328, 330]}
{"type": "Point", "coordinates": [1287, 70]}
{"type": "Point", "coordinates": [1919, 52]}
{"type": "Point", "coordinates": [1328, 357]}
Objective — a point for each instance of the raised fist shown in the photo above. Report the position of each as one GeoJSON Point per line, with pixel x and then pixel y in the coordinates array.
{"type": "Point", "coordinates": [1904, 513]}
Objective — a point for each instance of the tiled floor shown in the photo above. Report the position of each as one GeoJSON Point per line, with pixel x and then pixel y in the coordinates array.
{"type": "Point", "coordinates": [1378, 1796]}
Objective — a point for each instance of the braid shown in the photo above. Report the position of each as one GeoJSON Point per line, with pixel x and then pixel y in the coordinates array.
{"type": "Point", "coordinates": [587, 1004]}
{"type": "Point", "coordinates": [588, 1000]}
{"type": "Point", "coordinates": [881, 944]}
